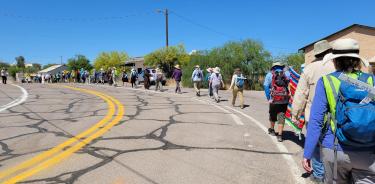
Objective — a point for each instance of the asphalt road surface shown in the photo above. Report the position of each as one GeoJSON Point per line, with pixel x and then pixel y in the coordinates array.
{"type": "Point", "coordinates": [101, 134]}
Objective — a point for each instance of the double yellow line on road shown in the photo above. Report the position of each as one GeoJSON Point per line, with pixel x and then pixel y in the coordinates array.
{"type": "Point", "coordinates": [64, 150]}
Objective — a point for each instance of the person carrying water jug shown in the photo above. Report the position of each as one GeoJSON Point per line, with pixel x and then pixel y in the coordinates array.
{"type": "Point", "coordinates": [343, 120]}
{"type": "Point", "coordinates": [237, 85]}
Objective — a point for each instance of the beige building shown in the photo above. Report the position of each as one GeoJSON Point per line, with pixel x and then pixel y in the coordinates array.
{"type": "Point", "coordinates": [365, 35]}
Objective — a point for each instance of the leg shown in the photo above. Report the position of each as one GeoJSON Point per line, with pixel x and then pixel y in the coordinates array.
{"type": "Point", "coordinates": [317, 165]}
{"type": "Point", "coordinates": [215, 90]}
{"type": "Point", "coordinates": [343, 166]}
{"type": "Point", "coordinates": [272, 118]}
{"type": "Point", "coordinates": [240, 92]}
{"type": "Point", "coordinates": [196, 88]}
{"type": "Point", "coordinates": [234, 97]}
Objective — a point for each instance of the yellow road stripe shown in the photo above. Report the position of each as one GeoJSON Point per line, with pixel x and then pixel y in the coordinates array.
{"type": "Point", "coordinates": [48, 154]}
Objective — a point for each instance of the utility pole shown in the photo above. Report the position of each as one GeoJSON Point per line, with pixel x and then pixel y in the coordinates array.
{"type": "Point", "coordinates": [165, 12]}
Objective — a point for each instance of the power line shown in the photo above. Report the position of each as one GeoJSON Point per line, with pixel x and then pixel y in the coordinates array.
{"type": "Point", "coordinates": [73, 19]}
{"type": "Point", "coordinates": [201, 25]}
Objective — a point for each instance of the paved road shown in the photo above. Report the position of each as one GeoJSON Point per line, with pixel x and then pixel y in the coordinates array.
{"type": "Point", "coordinates": [162, 138]}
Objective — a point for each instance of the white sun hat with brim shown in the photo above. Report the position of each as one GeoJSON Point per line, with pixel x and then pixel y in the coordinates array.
{"type": "Point", "coordinates": [345, 47]}
{"type": "Point", "coordinates": [277, 64]}
{"type": "Point", "coordinates": [217, 70]}
{"type": "Point", "coordinates": [321, 46]}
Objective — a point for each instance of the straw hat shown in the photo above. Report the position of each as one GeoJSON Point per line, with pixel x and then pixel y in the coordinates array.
{"type": "Point", "coordinates": [277, 64]}
{"type": "Point", "coordinates": [197, 66]}
{"type": "Point", "coordinates": [177, 66]}
{"type": "Point", "coordinates": [217, 70]}
{"type": "Point", "coordinates": [321, 46]}
{"type": "Point", "coordinates": [346, 47]}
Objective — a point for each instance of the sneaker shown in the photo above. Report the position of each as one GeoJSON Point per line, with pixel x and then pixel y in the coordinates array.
{"type": "Point", "coordinates": [279, 138]}
{"type": "Point", "coordinates": [271, 131]}
{"type": "Point", "coordinates": [316, 180]}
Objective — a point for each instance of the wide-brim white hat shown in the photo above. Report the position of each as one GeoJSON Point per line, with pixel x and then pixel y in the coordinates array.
{"type": "Point", "coordinates": [346, 47]}
{"type": "Point", "coordinates": [217, 70]}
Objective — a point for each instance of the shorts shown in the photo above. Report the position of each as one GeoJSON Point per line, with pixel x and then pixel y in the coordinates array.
{"type": "Point", "coordinates": [275, 110]}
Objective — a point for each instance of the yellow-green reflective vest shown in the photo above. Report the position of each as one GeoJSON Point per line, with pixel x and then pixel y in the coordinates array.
{"type": "Point", "coordinates": [330, 94]}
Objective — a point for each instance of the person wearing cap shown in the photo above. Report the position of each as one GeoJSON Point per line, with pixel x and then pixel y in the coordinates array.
{"type": "Point", "coordinates": [197, 78]}
{"type": "Point", "coordinates": [216, 81]}
{"type": "Point", "coordinates": [358, 162]}
{"type": "Point", "coordinates": [133, 77]}
{"type": "Point", "coordinates": [277, 109]}
{"type": "Point", "coordinates": [208, 78]}
{"type": "Point", "coordinates": [177, 74]}
{"type": "Point", "coordinates": [305, 93]}
{"type": "Point", "coordinates": [237, 86]}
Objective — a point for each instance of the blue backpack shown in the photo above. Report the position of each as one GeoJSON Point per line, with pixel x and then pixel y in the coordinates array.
{"type": "Point", "coordinates": [355, 121]}
{"type": "Point", "coordinates": [240, 81]}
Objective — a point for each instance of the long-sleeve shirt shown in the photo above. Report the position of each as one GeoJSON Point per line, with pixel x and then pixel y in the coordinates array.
{"type": "Point", "coordinates": [305, 91]}
{"type": "Point", "coordinates": [319, 109]}
{"type": "Point", "coordinates": [197, 75]}
{"type": "Point", "coordinates": [177, 74]}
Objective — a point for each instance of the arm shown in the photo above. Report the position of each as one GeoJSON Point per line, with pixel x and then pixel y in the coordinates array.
{"type": "Point", "coordinates": [267, 84]}
{"type": "Point", "coordinates": [301, 96]}
{"type": "Point", "coordinates": [314, 128]}
{"type": "Point", "coordinates": [232, 83]}
{"type": "Point", "coordinates": [192, 75]}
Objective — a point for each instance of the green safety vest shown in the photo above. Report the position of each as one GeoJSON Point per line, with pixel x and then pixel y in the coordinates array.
{"type": "Point", "coordinates": [336, 86]}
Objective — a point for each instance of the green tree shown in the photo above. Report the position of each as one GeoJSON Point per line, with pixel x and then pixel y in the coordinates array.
{"type": "Point", "coordinates": [249, 55]}
{"type": "Point", "coordinates": [167, 57]}
{"type": "Point", "coordinates": [4, 65]}
{"type": "Point", "coordinates": [294, 60]}
{"type": "Point", "coordinates": [20, 61]}
{"type": "Point", "coordinates": [78, 62]}
{"type": "Point", "coordinates": [106, 60]}
{"type": "Point", "coordinates": [37, 66]}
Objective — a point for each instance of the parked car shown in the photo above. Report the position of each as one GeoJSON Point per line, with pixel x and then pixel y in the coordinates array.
{"type": "Point", "coordinates": [152, 77]}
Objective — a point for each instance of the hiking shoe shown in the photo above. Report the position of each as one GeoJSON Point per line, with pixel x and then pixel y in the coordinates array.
{"type": "Point", "coordinates": [279, 138]}
{"type": "Point", "coordinates": [316, 180]}
{"type": "Point", "coordinates": [271, 131]}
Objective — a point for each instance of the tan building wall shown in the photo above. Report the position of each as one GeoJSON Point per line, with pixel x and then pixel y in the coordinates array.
{"type": "Point", "coordinates": [365, 37]}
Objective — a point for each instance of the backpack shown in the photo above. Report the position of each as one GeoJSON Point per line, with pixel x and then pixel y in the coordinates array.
{"type": "Point", "coordinates": [354, 120]}
{"type": "Point", "coordinates": [240, 81]}
{"type": "Point", "coordinates": [133, 74]}
{"type": "Point", "coordinates": [279, 90]}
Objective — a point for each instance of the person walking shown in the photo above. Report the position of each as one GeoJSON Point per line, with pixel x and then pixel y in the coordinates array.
{"type": "Point", "coordinates": [208, 78]}
{"type": "Point", "coordinates": [217, 82]}
{"type": "Point", "coordinates": [159, 78]}
{"type": "Point", "coordinates": [4, 75]}
{"type": "Point", "coordinates": [133, 78]}
{"type": "Point", "coordinates": [348, 140]}
{"type": "Point", "coordinates": [305, 93]}
{"type": "Point", "coordinates": [177, 74]}
{"type": "Point", "coordinates": [197, 77]}
{"type": "Point", "coordinates": [146, 78]}
{"type": "Point", "coordinates": [237, 85]}
{"type": "Point", "coordinates": [277, 93]}
{"type": "Point", "coordinates": [125, 79]}
{"type": "Point", "coordinates": [114, 76]}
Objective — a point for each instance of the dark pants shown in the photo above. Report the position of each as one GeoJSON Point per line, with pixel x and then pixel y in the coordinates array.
{"type": "Point", "coordinates": [178, 88]}
{"type": "Point", "coordinates": [4, 79]}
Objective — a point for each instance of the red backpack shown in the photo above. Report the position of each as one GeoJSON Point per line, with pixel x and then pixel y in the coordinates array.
{"type": "Point", "coordinates": [279, 91]}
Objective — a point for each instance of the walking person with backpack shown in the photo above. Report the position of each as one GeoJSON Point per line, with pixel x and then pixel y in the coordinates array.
{"type": "Point", "coordinates": [217, 82]}
{"type": "Point", "coordinates": [197, 77]}
{"type": "Point", "coordinates": [208, 78]}
{"type": "Point", "coordinates": [348, 141]}
{"type": "Point", "coordinates": [304, 96]}
{"type": "Point", "coordinates": [124, 78]}
{"type": "Point", "coordinates": [237, 85]}
{"type": "Point", "coordinates": [277, 94]}
{"type": "Point", "coordinates": [177, 74]}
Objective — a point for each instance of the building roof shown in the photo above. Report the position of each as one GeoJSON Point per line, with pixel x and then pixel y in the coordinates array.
{"type": "Point", "coordinates": [49, 69]}
{"type": "Point", "coordinates": [347, 28]}
{"type": "Point", "coordinates": [134, 60]}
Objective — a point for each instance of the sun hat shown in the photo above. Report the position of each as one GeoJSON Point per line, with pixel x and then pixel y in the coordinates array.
{"type": "Point", "coordinates": [217, 70]}
{"type": "Point", "coordinates": [209, 69]}
{"type": "Point", "coordinates": [321, 46]}
{"type": "Point", "coordinates": [177, 66]}
{"type": "Point", "coordinates": [346, 47]}
{"type": "Point", "coordinates": [197, 66]}
{"type": "Point", "coordinates": [277, 64]}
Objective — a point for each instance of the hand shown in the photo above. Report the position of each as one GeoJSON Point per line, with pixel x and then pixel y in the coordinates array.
{"type": "Point", "coordinates": [270, 101]}
{"type": "Point", "coordinates": [294, 119]}
{"type": "Point", "coordinates": [306, 163]}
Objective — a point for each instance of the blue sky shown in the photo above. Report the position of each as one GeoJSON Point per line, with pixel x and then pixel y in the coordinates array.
{"type": "Point", "coordinates": [44, 30]}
